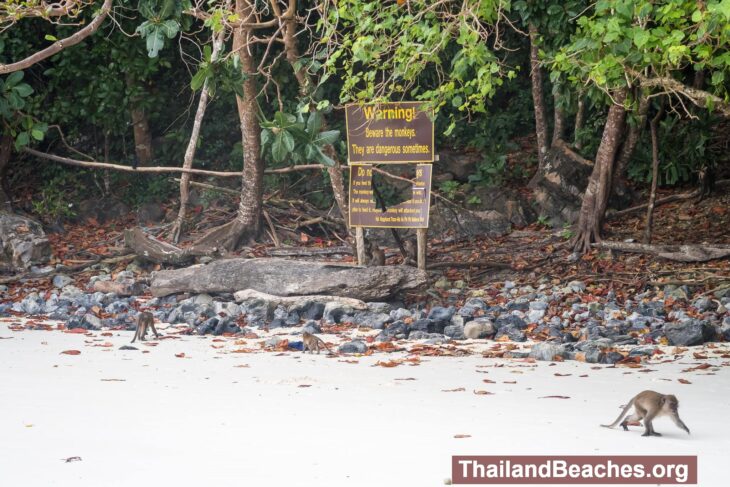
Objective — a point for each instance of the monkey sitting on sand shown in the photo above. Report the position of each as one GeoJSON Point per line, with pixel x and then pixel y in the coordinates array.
{"type": "Point", "coordinates": [647, 406]}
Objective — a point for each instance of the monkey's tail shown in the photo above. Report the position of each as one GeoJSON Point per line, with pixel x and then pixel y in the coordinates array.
{"type": "Point", "coordinates": [324, 345]}
{"type": "Point", "coordinates": [620, 416]}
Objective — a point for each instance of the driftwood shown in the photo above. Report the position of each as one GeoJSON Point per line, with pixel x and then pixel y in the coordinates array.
{"type": "Point", "coordinates": [283, 277]}
{"type": "Point", "coordinates": [154, 250]}
{"type": "Point", "coordinates": [680, 253]}
{"type": "Point", "coordinates": [308, 252]}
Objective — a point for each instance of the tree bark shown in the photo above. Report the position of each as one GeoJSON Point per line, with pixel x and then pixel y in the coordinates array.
{"type": "Point", "coordinates": [579, 121]}
{"type": "Point", "coordinates": [596, 195]}
{"type": "Point", "coordinates": [246, 226]}
{"type": "Point", "coordinates": [177, 227]}
{"type": "Point", "coordinates": [538, 98]}
{"type": "Point", "coordinates": [654, 175]}
{"type": "Point", "coordinates": [632, 138]}
{"type": "Point", "coordinates": [558, 121]}
{"type": "Point", "coordinates": [140, 126]}
{"type": "Point", "coordinates": [6, 148]}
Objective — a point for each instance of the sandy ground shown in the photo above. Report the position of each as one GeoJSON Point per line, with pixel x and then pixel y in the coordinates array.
{"type": "Point", "coordinates": [231, 419]}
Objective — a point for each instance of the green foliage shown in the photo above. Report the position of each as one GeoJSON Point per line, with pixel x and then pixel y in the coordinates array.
{"type": "Point", "coordinates": [54, 200]}
{"type": "Point", "coordinates": [422, 51]}
{"type": "Point", "coordinates": [682, 151]}
{"type": "Point", "coordinates": [292, 138]}
{"type": "Point", "coordinates": [224, 72]}
{"type": "Point", "coordinates": [625, 37]}
{"type": "Point", "coordinates": [449, 189]}
{"type": "Point", "coordinates": [14, 95]}
{"type": "Point", "coordinates": [163, 22]}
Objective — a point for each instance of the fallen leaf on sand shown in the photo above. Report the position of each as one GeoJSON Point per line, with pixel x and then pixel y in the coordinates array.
{"type": "Point", "coordinates": [71, 459]}
{"type": "Point", "coordinates": [113, 380]}
{"type": "Point", "coordinates": [180, 355]}
{"type": "Point", "coordinates": [555, 397]}
{"type": "Point", "coordinates": [462, 436]}
{"type": "Point", "coordinates": [304, 385]}
{"type": "Point", "coordinates": [483, 393]}
{"type": "Point", "coordinates": [458, 389]}
{"type": "Point", "coordinates": [71, 352]}
{"type": "Point", "coordinates": [683, 381]}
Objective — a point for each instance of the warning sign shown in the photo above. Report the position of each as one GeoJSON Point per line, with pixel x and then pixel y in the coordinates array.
{"type": "Point", "coordinates": [409, 214]}
{"type": "Point", "coordinates": [395, 133]}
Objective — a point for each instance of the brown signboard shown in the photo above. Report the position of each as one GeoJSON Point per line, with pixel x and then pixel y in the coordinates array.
{"type": "Point", "coordinates": [393, 133]}
{"type": "Point", "coordinates": [409, 214]}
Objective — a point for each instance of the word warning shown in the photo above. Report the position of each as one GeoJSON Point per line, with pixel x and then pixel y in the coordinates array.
{"type": "Point", "coordinates": [389, 133]}
{"type": "Point", "coordinates": [410, 214]}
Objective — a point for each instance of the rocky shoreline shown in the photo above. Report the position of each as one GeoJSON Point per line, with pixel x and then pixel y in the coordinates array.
{"type": "Point", "coordinates": [567, 321]}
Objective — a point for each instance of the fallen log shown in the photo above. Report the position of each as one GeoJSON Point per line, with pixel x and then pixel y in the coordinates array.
{"type": "Point", "coordinates": [680, 253]}
{"type": "Point", "coordinates": [289, 278]}
{"type": "Point", "coordinates": [160, 252]}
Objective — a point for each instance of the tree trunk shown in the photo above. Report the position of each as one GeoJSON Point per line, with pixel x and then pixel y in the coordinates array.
{"type": "Point", "coordinates": [579, 121]}
{"type": "Point", "coordinates": [632, 138]}
{"type": "Point", "coordinates": [558, 121]}
{"type": "Point", "coordinates": [538, 98]}
{"type": "Point", "coordinates": [140, 126]}
{"type": "Point", "coordinates": [177, 227]}
{"type": "Point", "coordinates": [305, 84]}
{"type": "Point", "coordinates": [596, 195]}
{"type": "Point", "coordinates": [654, 175]}
{"type": "Point", "coordinates": [6, 148]}
{"type": "Point", "coordinates": [247, 224]}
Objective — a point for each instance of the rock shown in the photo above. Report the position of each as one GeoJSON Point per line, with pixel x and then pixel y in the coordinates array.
{"type": "Point", "coordinates": [396, 330]}
{"type": "Point", "coordinates": [128, 347]}
{"type": "Point", "coordinates": [472, 306]}
{"type": "Point", "coordinates": [355, 346]}
{"type": "Point", "coordinates": [441, 314]}
{"type": "Point", "coordinates": [511, 331]}
{"type": "Point", "coordinates": [378, 307]}
{"type": "Point", "coordinates": [643, 351]}
{"type": "Point", "coordinates": [703, 304]}
{"type": "Point", "coordinates": [510, 320]}
{"type": "Point", "coordinates": [577, 286]}
{"type": "Point", "coordinates": [688, 333]}
{"type": "Point", "coordinates": [312, 327]}
{"type": "Point", "coordinates": [462, 222]}
{"type": "Point", "coordinates": [675, 292]}
{"type": "Point", "coordinates": [334, 312]}
{"type": "Point", "coordinates": [371, 320]}
{"type": "Point", "coordinates": [290, 278]}
{"type": "Point", "coordinates": [125, 288]}
{"type": "Point", "coordinates": [400, 314]}
{"type": "Point", "coordinates": [23, 243]}
{"type": "Point", "coordinates": [518, 305]}
{"type": "Point", "coordinates": [455, 332]}
{"type": "Point", "coordinates": [535, 315]}
{"type": "Point", "coordinates": [61, 280]}
{"type": "Point", "coordinates": [547, 351]}
{"type": "Point", "coordinates": [428, 326]}
{"type": "Point", "coordinates": [272, 342]}
{"type": "Point", "coordinates": [479, 328]}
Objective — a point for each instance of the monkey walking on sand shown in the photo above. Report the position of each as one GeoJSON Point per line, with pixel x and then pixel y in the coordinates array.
{"type": "Point", "coordinates": [648, 405]}
{"type": "Point", "coordinates": [145, 320]}
{"type": "Point", "coordinates": [312, 342]}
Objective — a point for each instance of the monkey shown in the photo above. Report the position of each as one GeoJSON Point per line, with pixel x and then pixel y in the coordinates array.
{"type": "Point", "coordinates": [705, 181]}
{"type": "Point", "coordinates": [377, 256]}
{"type": "Point", "coordinates": [647, 406]}
{"type": "Point", "coordinates": [411, 251]}
{"type": "Point", "coordinates": [312, 342]}
{"type": "Point", "coordinates": [145, 320]}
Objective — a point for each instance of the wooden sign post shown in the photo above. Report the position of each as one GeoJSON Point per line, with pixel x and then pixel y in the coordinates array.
{"type": "Point", "coordinates": [389, 133]}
